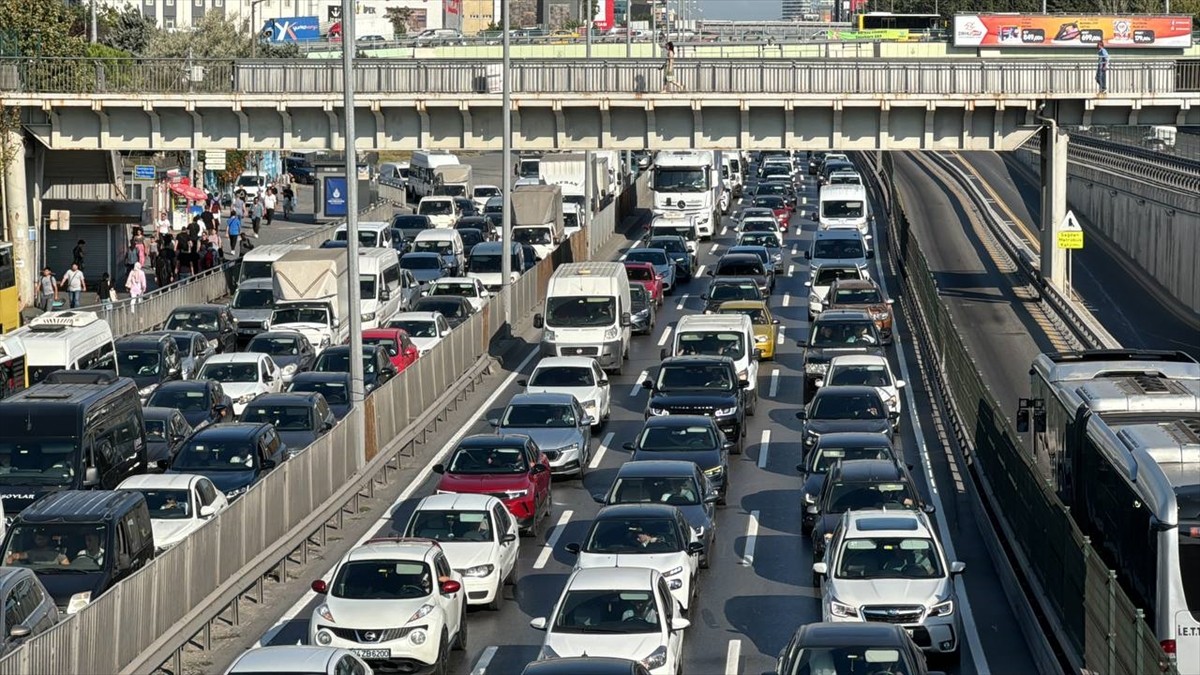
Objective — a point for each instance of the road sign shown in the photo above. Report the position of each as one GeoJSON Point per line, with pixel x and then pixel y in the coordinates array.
{"type": "Point", "coordinates": [144, 172]}
{"type": "Point", "coordinates": [1070, 234]}
{"type": "Point", "coordinates": [214, 160]}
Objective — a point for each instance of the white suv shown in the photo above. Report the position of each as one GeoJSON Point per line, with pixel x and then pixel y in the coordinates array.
{"type": "Point", "coordinates": [888, 566]}
{"type": "Point", "coordinates": [579, 376]}
{"type": "Point", "coordinates": [243, 375]}
{"type": "Point", "coordinates": [394, 602]}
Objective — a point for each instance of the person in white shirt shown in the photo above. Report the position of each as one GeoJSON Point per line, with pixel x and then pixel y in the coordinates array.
{"type": "Point", "coordinates": [164, 223]}
{"type": "Point", "coordinates": [93, 551]}
{"type": "Point", "coordinates": [74, 284]}
{"type": "Point", "coordinates": [269, 198]}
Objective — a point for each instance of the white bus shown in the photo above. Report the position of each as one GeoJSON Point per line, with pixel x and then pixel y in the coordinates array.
{"type": "Point", "coordinates": [422, 180]}
{"type": "Point", "coordinates": [69, 340]}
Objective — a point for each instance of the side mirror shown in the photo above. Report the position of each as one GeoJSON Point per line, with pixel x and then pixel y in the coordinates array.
{"type": "Point", "coordinates": [958, 567]}
{"type": "Point", "coordinates": [522, 383]}
{"type": "Point", "coordinates": [626, 319]}
{"type": "Point", "coordinates": [679, 623]}
{"type": "Point", "coordinates": [709, 273]}
{"type": "Point", "coordinates": [19, 631]}
{"type": "Point", "coordinates": [801, 343]}
{"type": "Point", "coordinates": [695, 548]}
{"type": "Point", "coordinates": [893, 416]}
{"type": "Point", "coordinates": [819, 383]}
{"type": "Point", "coordinates": [385, 294]}
{"type": "Point", "coordinates": [808, 284]}
{"type": "Point", "coordinates": [538, 623]}
{"type": "Point", "coordinates": [712, 498]}
{"type": "Point", "coordinates": [743, 384]}
{"type": "Point", "coordinates": [756, 355]}
{"type": "Point", "coordinates": [537, 469]}
{"type": "Point", "coordinates": [663, 354]}
{"type": "Point", "coordinates": [728, 445]}
{"type": "Point", "coordinates": [207, 511]}
{"type": "Point", "coordinates": [807, 255]}
{"type": "Point", "coordinates": [439, 468]}
{"type": "Point", "coordinates": [603, 383]}
{"type": "Point", "coordinates": [628, 445]}
{"type": "Point", "coordinates": [320, 587]}
{"type": "Point", "coordinates": [572, 548]}
{"type": "Point", "coordinates": [647, 384]}
{"type": "Point", "coordinates": [890, 301]}
{"type": "Point", "coordinates": [775, 322]}
{"type": "Point", "coordinates": [801, 415]}
{"type": "Point", "coordinates": [508, 538]}
{"type": "Point", "coordinates": [91, 477]}
{"type": "Point", "coordinates": [929, 508]}
{"type": "Point", "coordinates": [587, 421]}
{"type": "Point", "coordinates": [449, 587]}
{"type": "Point", "coordinates": [820, 568]}
{"type": "Point", "coordinates": [812, 510]}
{"type": "Point", "coordinates": [538, 322]}
{"type": "Point", "coordinates": [800, 468]}
{"type": "Point", "coordinates": [494, 422]}
{"type": "Point", "coordinates": [900, 384]}
{"type": "Point", "coordinates": [870, 253]}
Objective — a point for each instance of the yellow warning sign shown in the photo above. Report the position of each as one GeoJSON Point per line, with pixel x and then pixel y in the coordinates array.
{"type": "Point", "coordinates": [1070, 239]}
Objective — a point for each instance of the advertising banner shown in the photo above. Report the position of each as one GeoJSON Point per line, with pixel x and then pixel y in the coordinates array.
{"type": "Point", "coordinates": [292, 29]}
{"type": "Point", "coordinates": [335, 197]}
{"type": "Point", "coordinates": [1040, 30]}
{"type": "Point", "coordinates": [603, 20]}
{"type": "Point", "coordinates": [874, 35]}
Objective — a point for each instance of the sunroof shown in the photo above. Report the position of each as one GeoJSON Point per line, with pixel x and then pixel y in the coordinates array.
{"type": "Point", "coordinates": [882, 523]}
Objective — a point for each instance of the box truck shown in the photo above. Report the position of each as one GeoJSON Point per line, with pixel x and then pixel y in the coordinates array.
{"type": "Point", "coordinates": [311, 295]}
{"type": "Point", "coordinates": [537, 217]}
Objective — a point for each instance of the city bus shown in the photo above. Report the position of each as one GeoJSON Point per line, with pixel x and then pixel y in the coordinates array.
{"type": "Point", "coordinates": [917, 23]}
{"type": "Point", "coordinates": [10, 316]}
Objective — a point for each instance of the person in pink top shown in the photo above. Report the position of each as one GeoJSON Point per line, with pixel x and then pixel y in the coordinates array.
{"type": "Point", "coordinates": [136, 282]}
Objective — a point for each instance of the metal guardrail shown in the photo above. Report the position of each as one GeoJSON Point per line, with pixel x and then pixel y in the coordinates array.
{"type": "Point", "coordinates": [1155, 168]}
{"type": "Point", "coordinates": [876, 77]}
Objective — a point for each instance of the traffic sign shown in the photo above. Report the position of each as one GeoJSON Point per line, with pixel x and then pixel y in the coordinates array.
{"type": "Point", "coordinates": [144, 172]}
{"type": "Point", "coordinates": [214, 160]}
{"type": "Point", "coordinates": [1070, 234]}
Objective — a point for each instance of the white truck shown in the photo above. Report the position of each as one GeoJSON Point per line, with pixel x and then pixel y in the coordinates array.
{"type": "Point", "coordinates": [689, 181]}
{"type": "Point", "coordinates": [568, 171]}
{"type": "Point", "coordinates": [422, 179]}
{"type": "Point", "coordinates": [587, 313]}
{"type": "Point", "coordinates": [537, 217]}
{"type": "Point", "coordinates": [453, 180]}
{"type": "Point", "coordinates": [311, 295]}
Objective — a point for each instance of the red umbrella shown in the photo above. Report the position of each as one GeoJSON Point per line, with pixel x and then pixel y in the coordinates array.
{"type": "Point", "coordinates": [189, 192]}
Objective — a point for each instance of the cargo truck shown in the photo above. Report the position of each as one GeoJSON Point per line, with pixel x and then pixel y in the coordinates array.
{"type": "Point", "coordinates": [453, 180]}
{"type": "Point", "coordinates": [537, 217]}
{"type": "Point", "coordinates": [311, 295]}
{"type": "Point", "coordinates": [689, 182]}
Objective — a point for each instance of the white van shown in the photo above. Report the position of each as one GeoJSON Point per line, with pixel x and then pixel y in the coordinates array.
{"type": "Point", "coordinates": [379, 285]}
{"type": "Point", "coordinates": [257, 263]}
{"type": "Point", "coordinates": [448, 243]}
{"type": "Point", "coordinates": [442, 211]}
{"type": "Point", "coordinates": [422, 179]}
{"type": "Point", "coordinates": [844, 207]}
{"type": "Point", "coordinates": [588, 314]}
{"type": "Point", "coordinates": [371, 234]}
{"type": "Point", "coordinates": [69, 340]}
{"type": "Point", "coordinates": [729, 335]}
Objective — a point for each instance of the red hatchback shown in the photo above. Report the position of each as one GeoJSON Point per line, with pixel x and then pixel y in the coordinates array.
{"type": "Point", "coordinates": [778, 206]}
{"type": "Point", "coordinates": [644, 274]}
{"type": "Point", "coordinates": [400, 349]}
{"type": "Point", "coordinates": [508, 467]}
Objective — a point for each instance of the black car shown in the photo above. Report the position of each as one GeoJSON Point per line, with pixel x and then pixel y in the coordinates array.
{"type": "Point", "coordinates": [467, 207]}
{"type": "Point", "coordinates": [676, 249]}
{"type": "Point", "coordinates": [291, 351]}
{"type": "Point", "coordinates": [820, 647]}
{"type": "Point", "coordinates": [166, 430]}
{"type": "Point", "coordinates": [481, 223]}
{"type": "Point", "coordinates": [856, 486]}
{"type": "Point", "coordinates": [836, 165]}
{"type": "Point", "coordinates": [529, 254]}
{"type": "Point", "coordinates": [409, 225]}
{"type": "Point", "coordinates": [678, 484]}
{"type": "Point", "coordinates": [814, 162]}
{"type": "Point", "coordinates": [726, 289]}
{"type": "Point", "coordinates": [149, 361]}
{"type": "Point", "coordinates": [837, 333]}
{"type": "Point", "coordinates": [425, 267]}
{"type": "Point", "coordinates": [845, 408]}
{"type": "Point", "coordinates": [193, 349]}
{"type": "Point", "coordinates": [642, 309]}
{"type": "Point", "coordinates": [214, 322]}
{"type": "Point", "coordinates": [586, 665]}
{"type": "Point", "coordinates": [202, 402]}
{"type": "Point", "coordinates": [777, 188]}
{"type": "Point", "coordinates": [470, 237]}
{"type": "Point", "coordinates": [746, 265]}
{"type": "Point", "coordinates": [455, 309]}
{"type": "Point", "coordinates": [691, 438]}
{"type": "Point", "coordinates": [335, 387]}
{"type": "Point", "coordinates": [701, 385]}
{"type": "Point", "coordinates": [830, 449]}
{"type": "Point", "coordinates": [377, 364]}
{"type": "Point", "coordinates": [299, 417]}
{"type": "Point", "coordinates": [234, 456]}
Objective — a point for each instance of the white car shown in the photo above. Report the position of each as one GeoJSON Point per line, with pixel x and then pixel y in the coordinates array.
{"type": "Point", "coordinates": [479, 537]}
{"type": "Point", "coordinates": [425, 329]}
{"type": "Point", "coordinates": [579, 376]}
{"type": "Point", "coordinates": [888, 566]}
{"type": "Point", "coordinates": [464, 287]}
{"type": "Point", "coordinates": [622, 612]}
{"type": "Point", "coordinates": [821, 278]}
{"type": "Point", "coordinates": [644, 535]}
{"type": "Point", "coordinates": [299, 659]}
{"type": "Point", "coordinates": [869, 370]}
{"type": "Point", "coordinates": [768, 224]}
{"type": "Point", "coordinates": [371, 234]}
{"type": "Point", "coordinates": [243, 376]}
{"type": "Point", "coordinates": [179, 504]}
{"type": "Point", "coordinates": [393, 601]}
{"type": "Point", "coordinates": [482, 193]}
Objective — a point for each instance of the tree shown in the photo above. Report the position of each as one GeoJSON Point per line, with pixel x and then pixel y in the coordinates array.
{"type": "Point", "coordinates": [40, 28]}
{"type": "Point", "coordinates": [130, 31]}
{"type": "Point", "coordinates": [214, 37]}
{"type": "Point", "coordinates": [399, 16]}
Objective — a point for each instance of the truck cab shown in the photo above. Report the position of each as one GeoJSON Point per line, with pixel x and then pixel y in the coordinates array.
{"type": "Point", "coordinates": [690, 182]}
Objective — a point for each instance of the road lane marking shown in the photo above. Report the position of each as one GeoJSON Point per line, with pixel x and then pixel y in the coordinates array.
{"type": "Point", "coordinates": [732, 656]}
{"type": "Point", "coordinates": [751, 535]}
{"type": "Point", "coordinates": [787, 297]}
{"type": "Point", "coordinates": [608, 439]}
{"type": "Point", "coordinates": [774, 383]}
{"type": "Point", "coordinates": [637, 384]}
{"type": "Point", "coordinates": [485, 660]}
{"type": "Point", "coordinates": [552, 540]}
{"type": "Point", "coordinates": [662, 341]}
{"type": "Point", "coordinates": [764, 448]}
{"type": "Point", "coordinates": [682, 301]}
{"type": "Point", "coordinates": [624, 254]}
{"type": "Point", "coordinates": [792, 268]}
{"type": "Point", "coordinates": [700, 271]}
{"type": "Point", "coordinates": [779, 337]}
{"type": "Point", "coordinates": [724, 230]}
{"type": "Point", "coordinates": [404, 496]}
{"type": "Point", "coordinates": [714, 248]}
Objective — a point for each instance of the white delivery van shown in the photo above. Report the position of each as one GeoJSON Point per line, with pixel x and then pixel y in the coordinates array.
{"type": "Point", "coordinates": [587, 313]}
{"type": "Point", "coordinates": [68, 340]}
{"type": "Point", "coordinates": [442, 211]}
{"type": "Point", "coordinates": [256, 264]}
{"type": "Point", "coordinates": [446, 243]}
{"type": "Point", "coordinates": [379, 285]}
{"type": "Point", "coordinates": [729, 335]}
{"type": "Point", "coordinates": [371, 234]}
{"type": "Point", "coordinates": [422, 174]}
{"type": "Point", "coordinates": [844, 207]}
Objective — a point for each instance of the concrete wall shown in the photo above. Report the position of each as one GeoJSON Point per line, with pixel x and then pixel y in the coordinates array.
{"type": "Point", "coordinates": [1157, 228]}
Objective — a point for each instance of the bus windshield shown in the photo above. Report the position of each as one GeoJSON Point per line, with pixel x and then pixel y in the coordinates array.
{"type": "Point", "coordinates": [36, 457]}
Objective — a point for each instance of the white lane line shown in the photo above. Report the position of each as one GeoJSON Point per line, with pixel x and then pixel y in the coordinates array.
{"type": "Point", "coordinates": [682, 301]}
{"type": "Point", "coordinates": [552, 540]}
{"type": "Point", "coordinates": [779, 337]}
{"type": "Point", "coordinates": [485, 660]}
{"type": "Point", "coordinates": [724, 230]}
{"type": "Point", "coordinates": [764, 448]}
{"type": "Point", "coordinates": [793, 251]}
{"type": "Point", "coordinates": [774, 383]}
{"type": "Point", "coordinates": [732, 656]}
{"type": "Point", "coordinates": [637, 384]}
{"type": "Point", "coordinates": [787, 297]}
{"type": "Point", "coordinates": [662, 341]}
{"type": "Point", "coordinates": [714, 248]}
{"type": "Point", "coordinates": [407, 493]}
{"type": "Point", "coordinates": [751, 536]}
{"type": "Point", "coordinates": [624, 254]}
{"type": "Point", "coordinates": [700, 271]}
{"type": "Point", "coordinates": [792, 268]}
{"type": "Point", "coordinates": [608, 439]}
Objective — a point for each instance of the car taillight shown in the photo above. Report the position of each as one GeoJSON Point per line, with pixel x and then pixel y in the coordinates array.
{"type": "Point", "coordinates": [1168, 646]}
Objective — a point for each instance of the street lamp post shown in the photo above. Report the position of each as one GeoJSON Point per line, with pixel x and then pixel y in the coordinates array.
{"type": "Point", "coordinates": [506, 169]}
{"type": "Point", "coordinates": [254, 27]}
{"type": "Point", "coordinates": [358, 425]}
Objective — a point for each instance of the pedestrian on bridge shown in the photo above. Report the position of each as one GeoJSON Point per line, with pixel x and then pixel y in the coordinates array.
{"type": "Point", "coordinates": [669, 81]}
{"type": "Point", "coordinates": [1102, 67]}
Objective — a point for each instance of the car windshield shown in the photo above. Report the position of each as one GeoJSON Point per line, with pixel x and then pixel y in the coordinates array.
{"type": "Point", "coordinates": [836, 249]}
{"type": "Point", "coordinates": [38, 459]}
{"type": "Point", "coordinates": [229, 372]}
{"type": "Point", "coordinates": [581, 311]}
{"type": "Point", "coordinates": [534, 236]}
{"type": "Point", "coordinates": [488, 460]}
{"type": "Point", "coordinates": [673, 491]}
{"type": "Point", "coordinates": [759, 225]}
{"type": "Point", "coordinates": [183, 400]}
{"type": "Point", "coordinates": [249, 181]}
{"type": "Point", "coordinates": [677, 438]}
{"type": "Point", "coordinates": [338, 361]}
{"type": "Point", "coordinates": [827, 275]}
{"type": "Point", "coordinates": [860, 496]}
{"type": "Point", "coordinates": [335, 393]}
{"type": "Point", "coordinates": [738, 291]}
{"type": "Point", "coordinates": [482, 263]}
{"type": "Point", "coordinates": [633, 535]}
{"type": "Point", "coordinates": [284, 417]}
{"type": "Point", "coordinates": [382, 580]}
{"type": "Point", "coordinates": [684, 231]}
{"type": "Point", "coordinates": [774, 202]}
{"type": "Point", "coordinates": [739, 268]}
{"type": "Point", "coordinates": [639, 297]}
{"type": "Point", "coordinates": [464, 289]}
{"type": "Point", "coordinates": [712, 343]}
{"type": "Point", "coordinates": [834, 405]}
{"type": "Point", "coordinates": [669, 245]}
{"type": "Point", "coordinates": [253, 298]}
{"type": "Point", "coordinates": [856, 296]}
{"type": "Point", "coordinates": [156, 430]}
{"type": "Point", "coordinates": [168, 504]}
{"type": "Point", "coordinates": [821, 660]}
{"type": "Point", "coordinates": [570, 220]}
{"type": "Point", "coordinates": [366, 286]}
{"type": "Point", "coordinates": [685, 179]}
{"type": "Point", "coordinates": [411, 223]}
{"type": "Point", "coordinates": [889, 558]}
{"type": "Point", "coordinates": [58, 548]}
{"type": "Point", "coordinates": [842, 208]}
{"type": "Point", "coordinates": [766, 239]}
{"type": "Point", "coordinates": [827, 457]}
{"type": "Point", "coordinates": [203, 322]}
{"type": "Point", "coordinates": [654, 256]}
{"type": "Point", "coordinates": [275, 346]}
{"type": "Point", "coordinates": [415, 327]}
{"type": "Point", "coordinates": [607, 611]}
{"type": "Point", "coordinates": [866, 375]}
{"type": "Point", "coordinates": [138, 363]}
{"type": "Point", "coordinates": [695, 376]}
{"type": "Point", "coordinates": [845, 179]}
{"type": "Point", "coordinates": [543, 415]}
{"type": "Point", "coordinates": [451, 526]}
{"type": "Point", "coordinates": [299, 315]}
{"type": "Point", "coordinates": [435, 207]}
{"type": "Point", "coordinates": [842, 333]}
{"type": "Point", "coordinates": [758, 315]}
{"type": "Point", "coordinates": [448, 307]}
{"type": "Point", "coordinates": [389, 344]}
{"type": "Point", "coordinates": [200, 455]}
{"type": "Point", "coordinates": [562, 376]}
{"type": "Point", "coordinates": [420, 262]}
{"type": "Point", "coordinates": [439, 246]}
{"type": "Point", "coordinates": [366, 238]}
{"type": "Point", "coordinates": [487, 191]}
{"type": "Point", "coordinates": [636, 273]}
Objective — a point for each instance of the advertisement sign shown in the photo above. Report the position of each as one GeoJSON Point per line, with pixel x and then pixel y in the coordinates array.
{"type": "Point", "coordinates": [874, 35]}
{"type": "Point", "coordinates": [1039, 30]}
{"type": "Point", "coordinates": [292, 29]}
{"type": "Point", "coordinates": [604, 15]}
{"type": "Point", "coordinates": [335, 196]}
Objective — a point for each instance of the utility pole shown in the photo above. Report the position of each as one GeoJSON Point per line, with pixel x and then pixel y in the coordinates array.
{"type": "Point", "coordinates": [1054, 202]}
{"type": "Point", "coordinates": [506, 171]}
{"type": "Point", "coordinates": [628, 31]}
{"type": "Point", "coordinates": [16, 213]}
{"type": "Point", "coordinates": [358, 426]}
{"type": "Point", "coordinates": [95, 31]}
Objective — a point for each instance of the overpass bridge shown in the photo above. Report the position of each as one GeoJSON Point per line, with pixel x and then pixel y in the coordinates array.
{"type": "Point", "coordinates": [580, 104]}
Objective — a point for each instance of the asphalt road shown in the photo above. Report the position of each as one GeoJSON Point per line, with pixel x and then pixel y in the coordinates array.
{"type": "Point", "coordinates": [758, 590]}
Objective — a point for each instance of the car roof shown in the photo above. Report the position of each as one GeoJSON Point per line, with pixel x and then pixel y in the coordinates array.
{"type": "Point", "coordinates": [886, 523]}
{"type": "Point", "coordinates": [638, 510]}
{"type": "Point", "coordinates": [457, 501]}
{"type": "Point", "coordinates": [640, 264]}
{"type": "Point", "coordinates": [230, 430]}
{"type": "Point", "coordinates": [143, 340]}
{"type": "Point", "coordinates": [211, 307]}
{"type": "Point", "coordinates": [838, 233]}
{"type": "Point", "coordinates": [611, 578]}
{"type": "Point", "coordinates": [853, 283]}
{"type": "Point", "coordinates": [735, 280]}
{"type": "Point", "coordinates": [738, 257]}
{"type": "Point", "coordinates": [310, 376]}
{"type": "Point", "coordinates": [855, 439]}
{"type": "Point", "coordinates": [743, 304]}
{"type": "Point", "coordinates": [867, 469]}
{"type": "Point", "coordinates": [582, 665]}
{"type": "Point", "coordinates": [489, 440]}
{"type": "Point", "coordinates": [80, 506]}
{"type": "Point", "coordinates": [159, 481]}
{"type": "Point", "coordinates": [177, 333]}
{"type": "Point", "coordinates": [415, 316]}
{"type": "Point", "coordinates": [696, 359]}
{"type": "Point", "coordinates": [407, 548]}
{"type": "Point", "coordinates": [155, 412]}
{"type": "Point", "coordinates": [287, 658]}
{"type": "Point", "coordinates": [183, 385]}
{"type": "Point", "coordinates": [470, 281]}
{"type": "Point", "coordinates": [259, 283]}
{"type": "Point", "coordinates": [277, 334]}
{"type": "Point", "coordinates": [383, 332]}
{"type": "Point", "coordinates": [574, 361]}
{"type": "Point", "coordinates": [847, 390]}
{"type": "Point", "coordinates": [304, 398]}
{"type": "Point", "coordinates": [235, 357]}
{"type": "Point", "coordinates": [651, 468]}
{"type": "Point", "coordinates": [421, 254]}
{"type": "Point", "coordinates": [843, 315]}
{"type": "Point", "coordinates": [866, 634]}
{"type": "Point", "coordinates": [859, 360]}
{"type": "Point", "coordinates": [542, 398]}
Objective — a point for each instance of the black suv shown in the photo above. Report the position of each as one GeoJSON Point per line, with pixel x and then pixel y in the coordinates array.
{"type": "Point", "coordinates": [836, 333]}
{"type": "Point", "coordinates": [844, 409]}
{"type": "Point", "coordinates": [676, 249]}
{"type": "Point", "coordinates": [746, 265]}
{"type": "Point", "coordinates": [214, 322]}
{"type": "Point", "coordinates": [726, 289]}
{"type": "Point", "coordinates": [149, 361]}
{"type": "Point", "coordinates": [701, 385]}
{"type": "Point", "coordinates": [831, 450]}
{"type": "Point", "coordinates": [858, 485]}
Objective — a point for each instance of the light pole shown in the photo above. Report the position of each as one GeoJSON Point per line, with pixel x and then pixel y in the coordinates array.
{"type": "Point", "coordinates": [506, 169]}
{"type": "Point", "coordinates": [357, 389]}
{"type": "Point", "coordinates": [628, 31]}
{"type": "Point", "coordinates": [95, 31]}
{"type": "Point", "coordinates": [254, 33]}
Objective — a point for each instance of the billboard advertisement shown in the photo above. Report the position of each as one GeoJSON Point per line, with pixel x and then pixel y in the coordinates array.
{"type": "Point", "coordinates": [603, 20]}
{"type": "Point", "coordinates": [1040, 30]}
{"type": "Point", "coordinates": [292, 29]}
{"type": "Point", "coordinates": [335, 196]}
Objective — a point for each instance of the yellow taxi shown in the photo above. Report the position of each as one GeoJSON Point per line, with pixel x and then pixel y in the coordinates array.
{"type": "Point", "coordinates": [766, 326]}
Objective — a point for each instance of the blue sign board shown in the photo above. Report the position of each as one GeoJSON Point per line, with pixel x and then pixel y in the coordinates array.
{"type": "Point", "coordinates": [144, 172]}
{"type": "Point", "coordinates": [291, 29]}
{"type": "Point", "coordinates": [335, 196]}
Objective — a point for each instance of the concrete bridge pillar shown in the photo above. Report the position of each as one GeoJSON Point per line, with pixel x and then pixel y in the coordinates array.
{"type": "Point", "coordinates": [16, 207]}
{"type": "Point", "coordinates": [1054, 204]}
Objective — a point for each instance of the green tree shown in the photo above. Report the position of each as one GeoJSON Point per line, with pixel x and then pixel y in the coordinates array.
{"type": "Point", "coordinates": [40, 28]}
{"type": "Point", "coordinates": [399, 17]}
{"type": "Point", "coordinates": [214, 37]}
{"type": "Point", "coordinates": [130, 31]}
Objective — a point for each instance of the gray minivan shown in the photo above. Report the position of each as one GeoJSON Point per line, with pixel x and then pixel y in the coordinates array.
{"type": "Point", "coordinates": [848, 247]}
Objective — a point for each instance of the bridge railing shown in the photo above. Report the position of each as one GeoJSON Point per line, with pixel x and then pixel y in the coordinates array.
{"type": "Point", "coordinates": [868, 77]}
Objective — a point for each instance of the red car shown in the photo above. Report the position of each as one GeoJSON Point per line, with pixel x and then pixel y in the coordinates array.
{"type": "Point", "coordinates": [400, 349]}
{"type": "Point", "coordinates": [644, 274]}
{"type": "Point", "coordinates": [509, 467]}
{"type": "Point", "coordinates": [778, 206]}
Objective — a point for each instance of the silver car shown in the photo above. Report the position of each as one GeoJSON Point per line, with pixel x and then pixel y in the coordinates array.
{"type": "Point", "coordinates": [29, 609]}
{"type": "Point", "coordinates": [251, 306]}
{"type": "Point", "coordinates": [194, 349]}
{"type": "Point", "coordinates": [556, 423]}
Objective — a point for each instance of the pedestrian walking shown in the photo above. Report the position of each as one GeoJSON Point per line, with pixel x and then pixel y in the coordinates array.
{"type": "Point", "coordinates": [269, 201]}
{"type": "Point", "coordinates": [105, 291]}
{"type": "Point", "coordinates": [235, 229]}
{"type": "Point", "coordinates": [74, 284]}
{"type": "Point", "coordinates": [136, 283]}
{"type": "Point", "coordinates": [1102, 66]}
{"type": "Point", "coordinates": [187, 258]}
{"type": "Point", "coordinates": [164, 223]}
{"type": "Point", "coordinates": [669, 81]}
{"type": "Point", "coordinates": [289, 201]}
{"type": "Point", "coordinates": [256, 215]}
{"type": "Point", "coordinates": [77, 253]}
{"type": "Point", "coordinates": [46, 291]}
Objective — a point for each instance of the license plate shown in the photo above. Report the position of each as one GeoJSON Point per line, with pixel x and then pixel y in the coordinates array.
{"type": "Point", "coordinates": [372, 653]}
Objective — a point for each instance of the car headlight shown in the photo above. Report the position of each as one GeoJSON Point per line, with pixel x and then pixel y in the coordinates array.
{"type": "Point", "coordinates": [659, 412]}
{"type": "Point", "coordinates": [743, 374]}
{"type": "Point", "coordinates": [369, 316]}
{"type": "Point", "coordinates": [892, 401]}
{"type": "Point", "coordinates": [811, 437]}
{"type": "Point", "coordinates": [715, 472]}
{"type": "Point", "coordinates": [515, 494]}
{"type": "Point", "coordinates": [642, 315]}
{"type": "Point", "coordinates": [236, 492]}
{"type": "Point", "coordinates": [612, 333]}
{"type": "Point", "coordinates": [814, 300]}
{"type": "Point", "coordinates": [842, 610]}
{"type": "Point", "coordinates": [942, 609]}
{"type": "Point", "coordinates": [212, 344]}
{"type": "Point", "coordinates": [548, 335]}
{"type": "Point", "coordinates": [79, 601]}
{"type": "Point", "coordinates": [246, 398]}
{"type": "Point", "coordinates": [266, 325]}
{"type": "Point", "coordinates": [548, 653]}
{"type": "Point", "coordinates": [816, 368]}
{"type": "Point", "coordinates": [726, 412]}
{"type": "Point", "coordinates": [760, 339]}
{"type": "Point", "coordinates": [698, 531]}
{"type": "Point", "coordinates": [777, 257]}
{"type": "Point", "coordinates": [590, 405]}
{"type": "Point", "coordinates": [673, 571]}
{"type": "Point", "coordinates": [479, 571]}
{"type": "Point", "coordinates": [879, 316]}
{"type": "Point", "coordinates": [324, 613]}
{"type": "Point", "coordinates": [421, 612]}
{"type": "Point", "coordinates": [289, 369]}
{"type": "Point", "coordinates": [675, 584]}
{"type": "Point", "coordinates": [657, 658]}
{"type": "Point", "coordinates": [147, 390]}
{"type": "Point", "coordinates": [574, 447]}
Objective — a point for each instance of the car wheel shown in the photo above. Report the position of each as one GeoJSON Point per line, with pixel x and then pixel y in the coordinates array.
{"type": "Point", "coordinates": [511, 579]}
{"type": "Point", "coordinates": [460, 640]}
{"type": "Point", "coordinates": [753, 406]}
{"type": "Point", "coordinates": [721, 500]}
{"type": "Point", "coordinates": [584, 457]}
{"type": "Point", "coordinates": [440, 667]}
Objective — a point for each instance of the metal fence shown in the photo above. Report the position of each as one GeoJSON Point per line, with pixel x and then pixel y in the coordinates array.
{"type": "Point", "coordinates": [867, 76]}
{"type": "Point", "coordinates": [147, 619]}
{"type": "Point", "coordinates": [1097, 624]}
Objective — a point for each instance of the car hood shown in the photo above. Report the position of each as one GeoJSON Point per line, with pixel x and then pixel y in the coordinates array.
{"type": "Point", "coordinates": [487, 483]}
{"type": "Point", "coordinates": [285, 361]}
{"type": "Point", "coordinates": [170, 532]}
{"type": "Point", "coordinates": [237, 390]}
{"type": "Point", "coordinates": [155, 451]}
{"type": "Point", "coordinates": [826, 354]}
{"type": "Point", "coordinates": [581, 394]}
{"type": "Point", "coordinates": [882, 426]}
{"type": "Point", "coordinates": [705, 459]}
{"type": "Point", "coordinates": [226, 481]}
{"type": "Point", "coordinates": [813, 485]}
{"type": "Point", "coordinates": [339, 410]}
{"type": "Point", "coordinates": [62, 585]}
{"type": "Point", "coordinates": [363, 614]}
{"type": "Point", "coordinates": [298, 440]}
{"type": "Point", "coordinates": [425, 276]}
{"type": "Point", "coordinates": [424, 344]}
{"type": "Point", "coordinates": [697, 401]}
{"type": "Point", "coordinates": [143, 381]}
{"type": "Point", "coordinates": [196, 417]}
{"type": "Point", "coordinates": [638, 645]}
{"type": "Point", "coordinates": [858, 592]}
{"type": "Point", "coordinates": [466, 554]}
